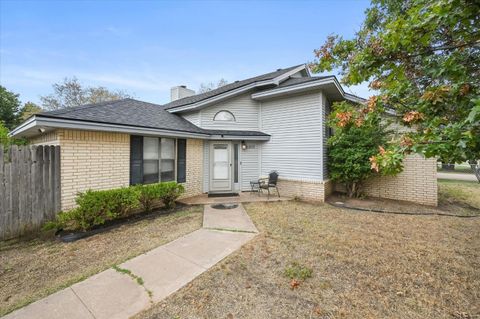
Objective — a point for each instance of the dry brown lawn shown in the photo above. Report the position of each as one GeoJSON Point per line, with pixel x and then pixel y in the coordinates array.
{"type": "Point", "coordinates": [364, 265]}
{"type": "Point", "coordinates": [33, 269]}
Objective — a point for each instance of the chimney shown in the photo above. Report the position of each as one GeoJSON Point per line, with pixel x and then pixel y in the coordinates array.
{"type": "Point", "coordinates": [179, 92]}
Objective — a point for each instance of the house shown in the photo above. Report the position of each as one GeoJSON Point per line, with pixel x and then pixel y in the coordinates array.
{"type": "Point", "coordinates": [213, 142]}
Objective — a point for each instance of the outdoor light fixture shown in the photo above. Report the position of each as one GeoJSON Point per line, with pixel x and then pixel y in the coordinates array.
{"type": "Point", "coordinates": [244, 146]}
{"type": "Point", "coordinates": [41, 130]}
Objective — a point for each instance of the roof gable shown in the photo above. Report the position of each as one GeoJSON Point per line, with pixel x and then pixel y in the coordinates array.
{"type": "Point", "coordinates": [229, 90]}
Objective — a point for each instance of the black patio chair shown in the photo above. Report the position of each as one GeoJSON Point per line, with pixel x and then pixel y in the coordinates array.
{"type": "Point", "coordinates": [270, 182]}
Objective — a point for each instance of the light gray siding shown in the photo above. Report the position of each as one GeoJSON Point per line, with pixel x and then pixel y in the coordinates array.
{"type": "Point", "coordinates": [295, 149]}
{"type": "Point", "coordinates": [192, 117]}
{"type": "Point", "coordinates": [250, 168]}
{"type": "Point", "coordinates": [242, 107]}
{"type": "Point", "coordinates": [206, 166]}
{"type": "Point", "coordinates": [326, 111]}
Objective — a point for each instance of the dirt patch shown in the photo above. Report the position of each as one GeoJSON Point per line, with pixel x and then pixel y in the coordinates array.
{"type": "Point", "coordinates": [33, 269]}
{"type": "Point", "coordinates": [363, 265]}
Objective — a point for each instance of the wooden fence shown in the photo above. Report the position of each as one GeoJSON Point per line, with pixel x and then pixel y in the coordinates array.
{"type": "Point", "coordinates": [29, 188]}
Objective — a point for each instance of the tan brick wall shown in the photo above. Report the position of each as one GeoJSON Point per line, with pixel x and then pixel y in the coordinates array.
{"type": "Point", "coordinates": [306, 190]}
{"type": "Point", "coordinates": [193, 185]}
{"type": "Point", "coordinates": [92, 160]}
{"type": "Point", "coordinates": [417, 183]}
{"type": "Point", "coordinates": [99, 160]}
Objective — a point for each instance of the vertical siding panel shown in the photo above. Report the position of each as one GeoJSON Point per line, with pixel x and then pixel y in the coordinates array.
{"type": "Point", "coordinates": [242, 107]}
{"type": "Point", "coordinates": [295, 149]}
{"type": "Point", "coordinates": [250, 165]}
{"type": "Point", "coordinates": [192, 117]}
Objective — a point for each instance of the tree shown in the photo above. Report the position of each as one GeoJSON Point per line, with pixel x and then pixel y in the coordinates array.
{"type": "Point", "coordinates": [423, 59]}
{"type": "Point", "coordinates": [6, 140]}
{"type": "Point", "coordinates": [205, 87]}
{"type": "Point", "coordinates": [29, 109]}
{"type": "Point", "coordinates": [71, 93]}
{"type": "Point", "coordinates": [359, 134]}
{"type": "Point", "coordinates": [9, 108]}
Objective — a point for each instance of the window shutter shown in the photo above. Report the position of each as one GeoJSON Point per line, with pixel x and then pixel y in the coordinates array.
{"type": "Point", "coordinates": [136, 160]}
{"type": "Point", "coordinates": [181, 160]}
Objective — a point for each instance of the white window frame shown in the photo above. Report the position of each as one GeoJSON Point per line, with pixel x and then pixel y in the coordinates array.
{"type": "Point", "coordinates": [224, 111]}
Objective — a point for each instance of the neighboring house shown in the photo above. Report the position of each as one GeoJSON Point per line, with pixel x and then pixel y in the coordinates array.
{"type": "Point", "coordinates": [214, 142]}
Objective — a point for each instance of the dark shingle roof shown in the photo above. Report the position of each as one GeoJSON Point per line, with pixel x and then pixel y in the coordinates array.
{"type": "Point", "coordinates": [137, 113]}
{"type": "Point", "coordinates": [127, 112]}
{"type": "Point", "coordinates": [226, 88]}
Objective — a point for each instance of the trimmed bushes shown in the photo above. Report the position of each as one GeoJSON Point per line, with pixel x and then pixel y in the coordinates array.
{"type": "Point", "coordinates": [97, 207]}
{"type": "Point", "coordinates": [167, 193]}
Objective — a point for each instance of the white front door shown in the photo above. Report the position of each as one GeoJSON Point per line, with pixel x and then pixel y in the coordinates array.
{"type": "Point", "coordinates": [221, 167]}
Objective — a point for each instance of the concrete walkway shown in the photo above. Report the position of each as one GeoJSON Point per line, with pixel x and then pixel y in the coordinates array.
{"type": "Point", "coordinates": [457, 176]}
{"type": "Point", "coordinates": [117, 293]}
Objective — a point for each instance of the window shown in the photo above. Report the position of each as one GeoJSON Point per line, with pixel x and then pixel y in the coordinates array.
{"type": "Point", "coordinates": [167, 164]}
{"type": "Point", "coordinates": [152, 160]}
{"type": "Point", "coordinates": [226, 116]}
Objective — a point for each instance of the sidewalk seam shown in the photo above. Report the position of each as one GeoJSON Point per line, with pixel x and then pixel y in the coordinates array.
{"type": "Point", "coordinates": [190, 261]}
{"type": "Point", "coordinates": [88, 309]}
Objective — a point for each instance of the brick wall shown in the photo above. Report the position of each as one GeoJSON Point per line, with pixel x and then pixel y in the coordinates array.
{"type": "Point", "coordinates": [92, 160]}
{"type": "Point", "coordinates": [193, 185]}
{"type": "Point", "coordinates": [304, 189]}
{"type": "Point", "coordinates": [417, 183]}
{"type": "Point", "coordinates": [100, 160]}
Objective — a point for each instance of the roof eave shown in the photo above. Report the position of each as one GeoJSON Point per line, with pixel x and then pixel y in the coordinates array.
{"type": "Point", "coordinates": [56, 123]}
{"type": "Point", "coordinates": [332, 81]}
{"type": "Point", "coordinates": [297, 88]}
{"type": "Point", "coordinates": [240, 137]}
{"type": "Point", "coordinates": [217, 98]}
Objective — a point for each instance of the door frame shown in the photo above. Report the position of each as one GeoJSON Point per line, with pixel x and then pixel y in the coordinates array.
{"type": "Point", "coordinates": [233, 187]}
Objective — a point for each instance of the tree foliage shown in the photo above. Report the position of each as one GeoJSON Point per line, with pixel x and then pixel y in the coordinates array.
{"type": "Point", "coordinates": [205, 87]}
{"type": "Point", "coordinates": [359, 135]}
{"type": "Point", "coordinates": [70, 93]}
{"type": "Point", "coordinates": [6, 141]}
{"type": "Point", "coordinates": [423, 59]}
{"type": "Point", "coordinates": [9, 108]}
{"type": "Point", "coordinates": [29, 109]}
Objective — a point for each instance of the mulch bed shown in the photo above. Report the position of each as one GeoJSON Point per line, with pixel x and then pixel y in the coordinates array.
{"type": "Point", "coordinates": [381, 205]}
{"type": "Point", "coordinates": [68, 236]}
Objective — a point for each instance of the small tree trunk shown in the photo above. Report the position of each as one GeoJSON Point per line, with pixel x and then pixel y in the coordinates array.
{"type": "Point", "coordinates": [353, 189]}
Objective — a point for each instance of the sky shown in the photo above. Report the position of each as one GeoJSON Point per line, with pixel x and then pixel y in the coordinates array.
{"type": "Point", "coordinates": [146, 47]}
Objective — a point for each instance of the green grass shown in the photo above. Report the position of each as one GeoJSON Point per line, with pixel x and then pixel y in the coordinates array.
{"type": "Point", "coordinates": [139, 280]}
{"type": "Point", "coordinates": [459, 192]}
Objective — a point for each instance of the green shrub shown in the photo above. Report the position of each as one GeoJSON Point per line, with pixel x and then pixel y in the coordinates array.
{"type": "Point", "coordinates": [170, 192]}
{"type": "Point", "coordinates": [167, 192]}
{"type": "Point", "coordinates": [353, 150]}
{"type": "Point", "coordinates": [297, 271]}
{"type": "Point", "coordinates": [96, 207]}
{"type": "Point", "coordinates": [148, 194]}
